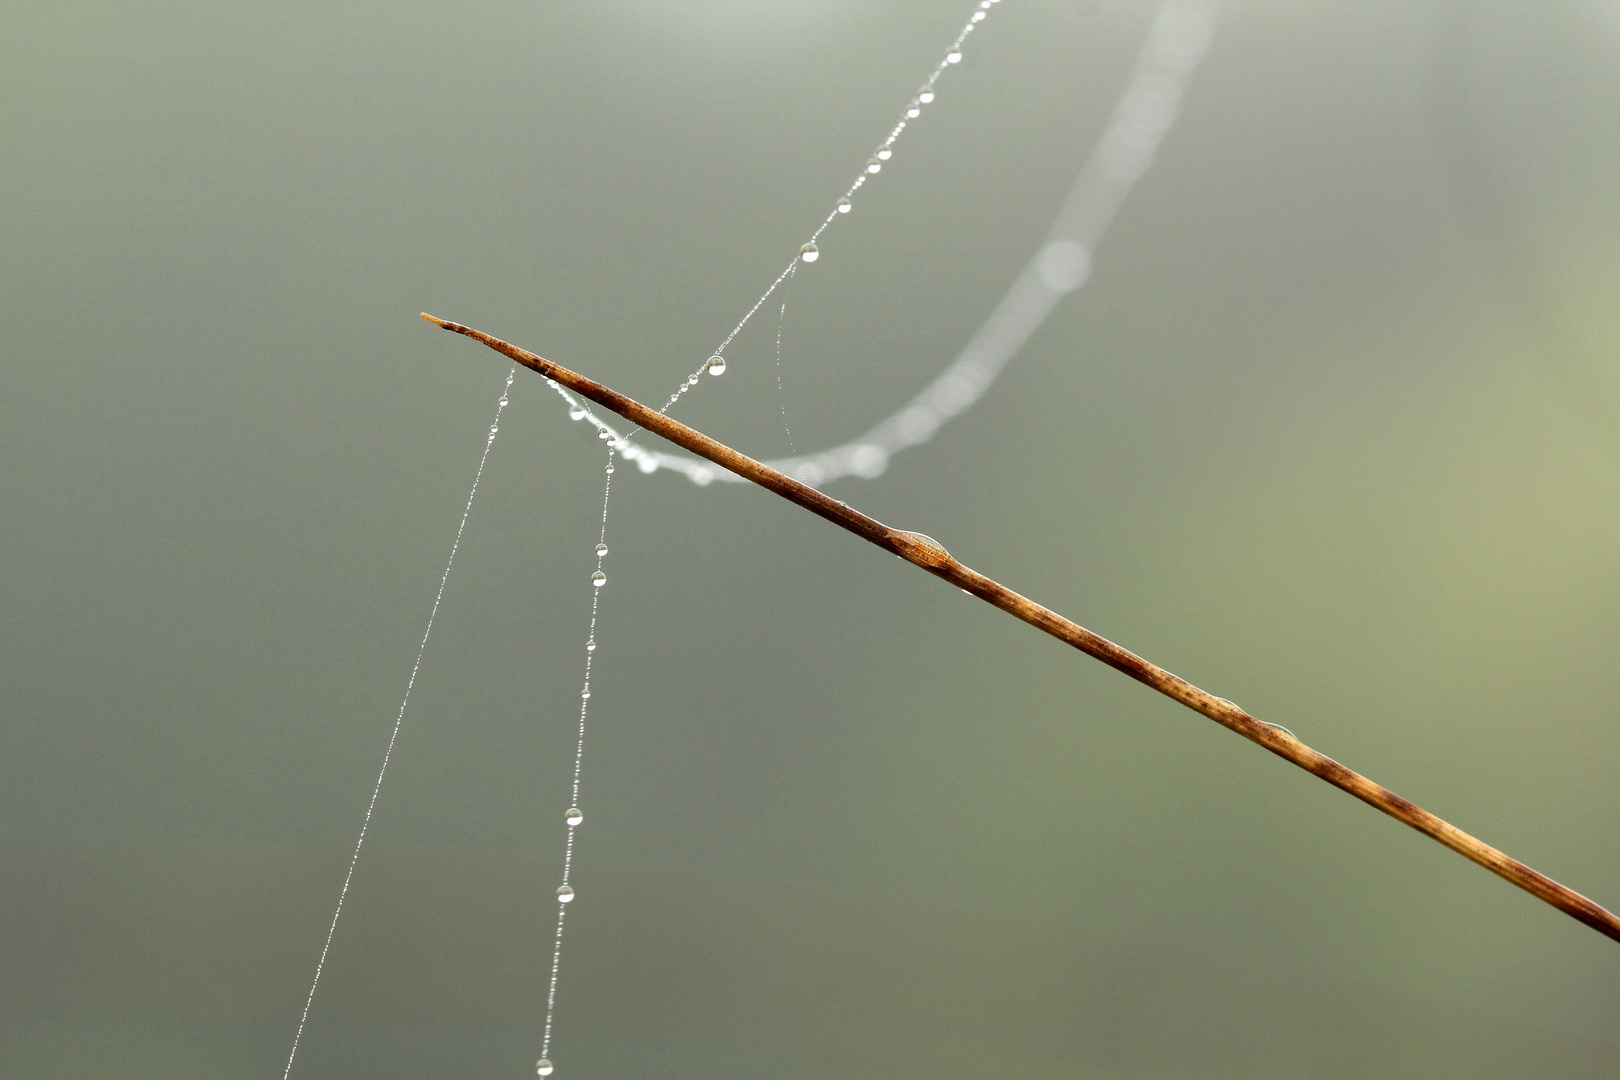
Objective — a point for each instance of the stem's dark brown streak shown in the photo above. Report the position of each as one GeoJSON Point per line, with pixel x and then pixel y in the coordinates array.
{"type": "Point", "coordinates": [927, 553]}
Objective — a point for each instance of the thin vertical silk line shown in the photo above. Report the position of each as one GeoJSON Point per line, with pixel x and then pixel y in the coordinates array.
{"type": "Point", "coordinates": [565, 891]}
{"type": "Point", "coordinates": [781, 395]}
{"type": "Point", "coordinates": [320, 965]}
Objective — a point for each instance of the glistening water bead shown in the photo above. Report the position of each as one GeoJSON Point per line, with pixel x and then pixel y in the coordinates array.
{"type": "Point", "coordinates": [953, 57]}
{"type": "Point", "coordinates": [844, 206]}
{"type": "Point", "coordinates": [717, 364]}
{"type": "Point", "coordinates": [574, 816]}
{"type": "Point", "coordinates": [565, 893]}
{"type": "Point", "coordinates": [590, 646]}
{"type": "Point", "coordinates": [874, 166]}
{"type": "Point", "coordinates": [809, 253]}
{"type": "Point", "coordinates": [543, 1067]}
{"type": "Point", "coordinates": [599, 579]}
{"type": "Point", "coordinates": [926, 95]}
{"type": "Point", "coordinates": [601, 550]}
{"type": "Point", "coordinates": [914, 110]}
{"type": "Point", "coordinates": [885, 152]}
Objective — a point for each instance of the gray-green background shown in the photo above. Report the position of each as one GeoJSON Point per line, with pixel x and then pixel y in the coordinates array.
{"type": "Point", "coordinates": [1332, 432]}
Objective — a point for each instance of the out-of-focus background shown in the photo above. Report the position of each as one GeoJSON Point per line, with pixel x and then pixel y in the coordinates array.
{"type": "Point", "coordinates": [1332, 432]}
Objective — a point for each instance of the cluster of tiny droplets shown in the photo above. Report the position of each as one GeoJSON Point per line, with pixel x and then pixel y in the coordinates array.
{"type": "Point", "coordinates": [399, 719]}
{"type": "Point", "coordinates": [809, 252]}
{"type": "Point", "coordinates": [574, 816]}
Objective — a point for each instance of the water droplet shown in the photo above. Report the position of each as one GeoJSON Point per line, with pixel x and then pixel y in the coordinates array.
{"type": "Point", "coordinates": [601, 550]}
{"type": "Point", "coordinates": [543, 1067]}
{"type": "Point", "coordinates": [599, 579]}
{"type": "Point", "coordinates": [925, 95]}
{"type": "Point", "coordinates": [844, 206]}
{"type": "Point", "coordinates": [978, 16]}
{"type": "Point", "coordinates": [565, 894]}
{"type": "Point", "coordinates": [493, 428]}
{"type": "Point", "coordinates": [809, 253]}
{"type": "Point", "coordinates": [914, 110]}
{"type": "Point", "coordinates": [576, 413]}
{"type": "Point", "coordinates": [953, 57]}
{"type": "Point", "coordinates": [503, 401]}
{"type": "Point", "coordinates": [585, 693]}
{"type": "Point", "coordinates": [610, 470]}
{"type": "Point", "coordinates": [603, 433]}
{"type": "Point", "coordinates": [691, 380]}
{"type": "Point", "coordinates": [717, 364]}
{"type": "Point", "coordinates": [885, 153]}
{"type": "Point", "coordinates": [590, 646]}
{"type": "Point", "coordinates": [573, 817]}
{"type": "Point", "coordinates": [874, 166]}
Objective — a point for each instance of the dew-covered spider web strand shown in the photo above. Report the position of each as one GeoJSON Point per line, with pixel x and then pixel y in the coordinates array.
{"type": "Point", "coordinates": [808, 252]}
{"type": "Point", "coordinates": [343, 894]}
{"type": "Point", "coordinates": [573, 816]}
{"type": "Point", "coordinates": [1179, 37]}
{"type": "Point", "coordinates": [781, 394]}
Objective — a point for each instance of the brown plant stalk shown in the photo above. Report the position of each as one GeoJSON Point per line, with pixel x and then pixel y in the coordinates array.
{"type": "Point", "coordinates": [927, 553]}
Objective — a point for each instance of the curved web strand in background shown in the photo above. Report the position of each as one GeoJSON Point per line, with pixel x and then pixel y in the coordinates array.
{"type": "Point", "coordinates": [1176, 42]}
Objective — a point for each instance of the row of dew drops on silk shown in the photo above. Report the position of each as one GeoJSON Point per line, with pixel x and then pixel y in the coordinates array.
{"type": "Point", "coordinates": [620, 444]}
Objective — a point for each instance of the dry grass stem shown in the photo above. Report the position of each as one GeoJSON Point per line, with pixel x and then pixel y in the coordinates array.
{"type": "Point", "coordinates": [931, 556]}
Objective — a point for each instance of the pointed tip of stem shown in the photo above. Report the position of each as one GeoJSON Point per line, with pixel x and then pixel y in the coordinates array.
{"type": "Point", "coordinates": [436, 321]}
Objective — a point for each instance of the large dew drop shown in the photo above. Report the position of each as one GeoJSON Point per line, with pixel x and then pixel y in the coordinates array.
{"type": "Point", "coordinates": [565, 894]}
{"type": "Point", "coordinates": [717, 364]}
{"type": "Point", "coordinates": [926, 95]}
{"type": "Point", "coordinates": [544, 1067]}
{"type": "Point", "coordinates": [809, 253]}
{"type": "Point", "coordinates": [601, 550]}
{"type": "Point", "coordinates": [874, 166]}
{"type": "Point", "coordinates": [576, 413]}
{"type": "Point", "coordinates": [599, 579]}
{"type": "Point", "coordinates": [953, 57]}
{"type": "Point", "coordinates": [844, 206]}
{"type": "Point", "coordinates": [914, 110]}
{"type": "Point", "coordinates": [574, 816]}
{"type": "Point", "coordinates": [885, 152]}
